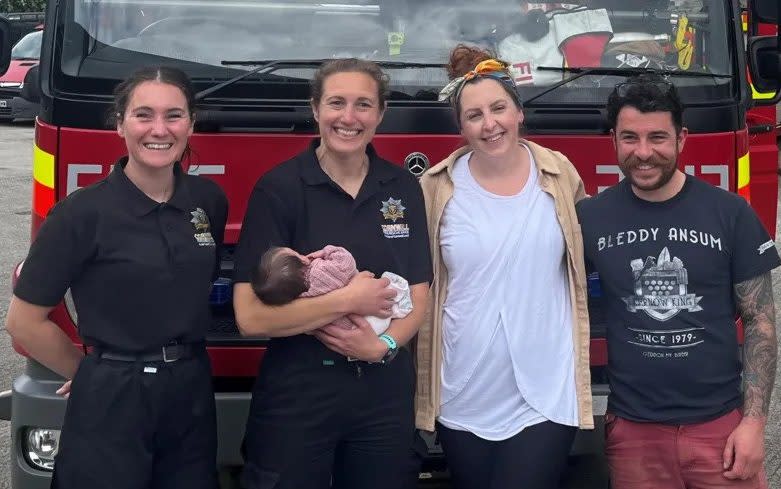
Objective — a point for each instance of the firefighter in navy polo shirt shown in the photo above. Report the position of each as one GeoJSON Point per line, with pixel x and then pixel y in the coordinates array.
{"type": "Point", "coordinates": [138, 251]}
{"type": "Point", "coordinates": [333, 407]}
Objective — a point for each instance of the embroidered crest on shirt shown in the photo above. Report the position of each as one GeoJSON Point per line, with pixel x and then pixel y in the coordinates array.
{"type": "Point", "coordinates": [661, 287]}
{"type": "Point", "coordinates": [200, 221]}
{"type": "Point", "coordinates": [393, 210]}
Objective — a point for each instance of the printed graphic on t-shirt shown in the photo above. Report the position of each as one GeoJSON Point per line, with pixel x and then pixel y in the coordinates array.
{"type": "Point", "coordinates": [675, 235]}
{"type": "Point", "coordinates": [766, 246]}
{"type": "Point", "coordinates": [661, 287]}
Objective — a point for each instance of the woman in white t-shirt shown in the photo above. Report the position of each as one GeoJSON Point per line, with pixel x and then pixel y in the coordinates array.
{"type": "Point", "coordinates": [503, 364]}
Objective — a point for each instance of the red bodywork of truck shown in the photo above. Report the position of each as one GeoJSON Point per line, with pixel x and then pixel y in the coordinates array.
{"type": "Point", "coordinates": [236, 161]}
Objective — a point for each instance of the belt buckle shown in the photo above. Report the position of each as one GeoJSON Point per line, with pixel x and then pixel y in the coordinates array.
{"type": "Point", "coordinates": [175, 356]}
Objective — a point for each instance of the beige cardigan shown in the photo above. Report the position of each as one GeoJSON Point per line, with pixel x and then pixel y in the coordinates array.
{"type": "Point", "coordinates": [558, 178]}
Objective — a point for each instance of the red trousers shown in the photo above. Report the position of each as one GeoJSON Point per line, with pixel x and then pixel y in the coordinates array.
{"type": "Point", "coordinates": [659, 456]}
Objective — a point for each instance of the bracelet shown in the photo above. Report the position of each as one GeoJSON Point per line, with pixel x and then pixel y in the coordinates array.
{"type": "Point", "coordinates": [388, 339]}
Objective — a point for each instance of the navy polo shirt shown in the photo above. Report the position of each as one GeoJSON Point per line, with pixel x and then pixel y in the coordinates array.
{"type": "Point", "coordinates": [139, 271]}
{"type": "Point", "coordinates": [298, 206]}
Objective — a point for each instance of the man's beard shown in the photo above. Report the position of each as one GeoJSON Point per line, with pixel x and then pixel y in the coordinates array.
{"type": "Point", "coordinates": [667, 172]}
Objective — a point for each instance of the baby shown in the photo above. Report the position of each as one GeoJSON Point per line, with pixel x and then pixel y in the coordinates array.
{"type": "Point", "coordinates": [283, 275]}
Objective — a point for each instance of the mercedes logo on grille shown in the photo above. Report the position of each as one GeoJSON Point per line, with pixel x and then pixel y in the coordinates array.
{"type": "Point", "coordinates": [416, 163]}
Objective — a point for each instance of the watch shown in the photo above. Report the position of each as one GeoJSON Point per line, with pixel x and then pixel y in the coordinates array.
{"type": "Point", "coordinates": [393, 349]}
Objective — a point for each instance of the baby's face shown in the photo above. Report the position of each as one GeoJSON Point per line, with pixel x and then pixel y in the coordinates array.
{"type": "Point", "coordinates": [290, 251]}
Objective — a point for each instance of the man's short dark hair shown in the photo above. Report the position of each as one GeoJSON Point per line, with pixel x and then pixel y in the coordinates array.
{"type": "Point", "coordinates": [646, 93]}
{"type": "Point", "coordinates": [278, 278]}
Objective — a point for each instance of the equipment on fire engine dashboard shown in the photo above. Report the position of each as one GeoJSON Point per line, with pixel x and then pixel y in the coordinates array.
{"type": "Point", "coordinates": [634, 34]}
{"type": "Point", "coordinates": [668, 42]}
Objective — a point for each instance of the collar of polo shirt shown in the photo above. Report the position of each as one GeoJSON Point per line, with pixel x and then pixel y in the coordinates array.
{"type": "Point", "coordinates": [140, 203]}
{"type": "Point", "coordinates": [312, 173]}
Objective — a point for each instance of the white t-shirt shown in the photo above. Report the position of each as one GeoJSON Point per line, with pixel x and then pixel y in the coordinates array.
{"type": "Point", "coordinates": [507, 324]}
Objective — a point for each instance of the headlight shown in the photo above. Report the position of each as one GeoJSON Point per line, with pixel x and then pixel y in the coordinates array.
{"type": "Point", "coordinates": [40, 447]}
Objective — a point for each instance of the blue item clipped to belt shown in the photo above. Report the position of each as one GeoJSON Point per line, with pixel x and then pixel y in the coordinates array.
{"type": "Point", "coordinates": [594, 285]}
{"type": "Point", "coordinates": [222, 292]}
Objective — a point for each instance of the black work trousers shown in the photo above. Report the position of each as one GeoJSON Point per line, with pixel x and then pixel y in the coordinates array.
{"type": "Point", "coordinates": [535, 458]}
{"type": "Point", "coordinates": [318, 421]}
{"type": "Point", "coordinates": [132, 425]}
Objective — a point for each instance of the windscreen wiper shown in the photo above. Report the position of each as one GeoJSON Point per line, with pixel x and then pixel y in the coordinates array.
{"type": "Point", "coordinates": [269, 66]}
{"type": "Point", "coordinates": [280, 63]}
{"type": "Point", "coordinates": [581, 72]}
{"type": "Point", "coordinates": [266, 66]}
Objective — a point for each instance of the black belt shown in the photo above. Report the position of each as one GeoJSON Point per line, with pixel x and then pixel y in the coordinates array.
{"type": "Point", "coordinates": [167, 354]}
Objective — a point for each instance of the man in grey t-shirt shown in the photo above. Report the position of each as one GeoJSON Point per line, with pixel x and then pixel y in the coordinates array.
{"type": "Point", "coordinates": [679, 259]}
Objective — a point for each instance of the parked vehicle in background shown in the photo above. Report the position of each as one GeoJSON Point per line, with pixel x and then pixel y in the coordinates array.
{"type": "Point", "coordinates": [23, 23]}
{"type": "Point", "coordinates": [25, 54]}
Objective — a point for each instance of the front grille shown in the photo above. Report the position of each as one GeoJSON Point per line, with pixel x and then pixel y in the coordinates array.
{"type": "Point", "coordinates": [6, 96]}
{"type": "Point", "coordinates": [596, 314]}
{"type": "Point", "coordinates": [223, 327]}
{"type": "Point", "coordinates": [596, 306]}
{"type": "Point", "coordinates": [224, 332]}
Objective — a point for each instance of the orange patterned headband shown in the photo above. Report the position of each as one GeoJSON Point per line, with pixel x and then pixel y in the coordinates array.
{"type": "Point", "coordinates": [491, 68]}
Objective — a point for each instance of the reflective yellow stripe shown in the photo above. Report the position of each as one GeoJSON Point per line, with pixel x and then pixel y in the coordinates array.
{"type": "Point", "coordinates": [43, 167]}
{"type": "Point", "coordinates": [754, 94]}
{"type": "Point", "coordinates": [761, 95]}
{"type": "Point", "coordinates": [744, 171]}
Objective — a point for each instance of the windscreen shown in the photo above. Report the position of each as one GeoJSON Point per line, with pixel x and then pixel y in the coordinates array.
{"type": "Point", "coordinates": [545, 43]}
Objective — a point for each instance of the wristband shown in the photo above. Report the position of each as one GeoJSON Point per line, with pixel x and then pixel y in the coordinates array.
{"type": "Point", "coordinates": [389, 341]}
{"type": "Point", "coordinates": [393, 349]}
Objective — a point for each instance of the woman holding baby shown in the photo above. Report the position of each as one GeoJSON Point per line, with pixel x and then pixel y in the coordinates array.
{"type": "Point", "coordinates": [333, 403]}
